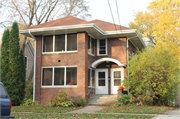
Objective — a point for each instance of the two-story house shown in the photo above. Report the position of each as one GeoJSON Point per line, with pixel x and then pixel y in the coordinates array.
{"type": "Point", "coordinates": [79, 57]}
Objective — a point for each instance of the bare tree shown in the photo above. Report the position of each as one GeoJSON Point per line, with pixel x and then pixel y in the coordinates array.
{"type": "Point", "coordinates": [33, 12]}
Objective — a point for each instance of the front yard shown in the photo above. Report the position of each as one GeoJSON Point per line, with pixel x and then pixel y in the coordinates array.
{"type": "Point", "coordinates": [60, 112]}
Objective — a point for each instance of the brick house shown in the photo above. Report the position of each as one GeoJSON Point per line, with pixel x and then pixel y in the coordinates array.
{"type": "Point", "coordinates": [80, 57]}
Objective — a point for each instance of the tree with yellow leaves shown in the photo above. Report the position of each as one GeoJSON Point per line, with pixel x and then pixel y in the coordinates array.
{"type": "Point", "coordinates": [160, 23]}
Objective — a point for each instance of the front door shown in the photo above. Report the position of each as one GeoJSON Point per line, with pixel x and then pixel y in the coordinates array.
{"type": "Point", "coordinates": [101, 81]}
{"type": "Point", "coordinates": [117, 76]}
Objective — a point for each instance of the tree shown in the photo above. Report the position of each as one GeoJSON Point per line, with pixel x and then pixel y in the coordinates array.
{"type": "Point", "coordinates": [33, 12]}
{"type": "Point", "coordinates": [156, 71]}
{"type": "Point", "coordinates": [5, 58]}
{"type": "Point", "coordinates": [22, 74]}
{"type": "Point", "coordinates": [14, 75]}
{"type": "Point", "coordinates": [160, 23]}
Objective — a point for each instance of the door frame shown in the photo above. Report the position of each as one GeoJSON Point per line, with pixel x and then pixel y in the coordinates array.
{"type": "Point", "coordinates": [112, 79]}
{"type": "Point", "coordinates": [105, 88]}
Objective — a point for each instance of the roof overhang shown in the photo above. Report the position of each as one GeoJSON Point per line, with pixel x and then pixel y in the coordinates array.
{"type": "Point", "coordinates": [91, 29]}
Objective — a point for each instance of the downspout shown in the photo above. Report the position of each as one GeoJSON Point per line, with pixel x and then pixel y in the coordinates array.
{"type": "Point", "coordinates": [34, 65]}
{"type": "Point", "coordinates": [127, 47]}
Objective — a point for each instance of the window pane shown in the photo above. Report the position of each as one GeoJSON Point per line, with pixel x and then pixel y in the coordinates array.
{"type": "Point", "coordinates": [101, 82]}
{"type": "Point", "coordinates": [93, 77]}
{"type": "Point", "coordinates": [89, 42]}
{"type": "Point", "coordinates": [60, 43]}
{"type": "Point", "coordinates": [48, 44]}
{"type": "Point", "coordinates": [3, 93]}
{"type": "Point", "coordinates": [117, 82]}
{"type": "Point", "coordinates": [101, 78]}
{"type": "Point", "coordinates": [71, 42]}
{"type": "Point", "coordinates": [92, 45]}
{"type": "Point", "coordinates": [71, 76]}
{"type": "Point", "coordinates": [102, 46]}
{"type": "Point", "coordinates": [117, 74]}
{"type": "Point", "coordinates": [58, 76]}
{"type": "Point", "coordinates": [89, 78]}
{"type": "Point", "coordinates": [47, 76]}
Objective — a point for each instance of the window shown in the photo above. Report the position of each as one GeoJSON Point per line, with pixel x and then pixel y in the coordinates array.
{"type": "Point", "coordinates": [60, 43]}
{"type": "Point", "coordinates": [48, 44]}
{"type": "Point", "coordinates": [91, 77]}
{"type": "Point", "coordinates": [59, 76]}
{"type": "Point", "coordinates": [91, 42]}
{"type": "Point", "coordinates": [102, 47]}
{"type": "Point", "coordinates": [26, 61]}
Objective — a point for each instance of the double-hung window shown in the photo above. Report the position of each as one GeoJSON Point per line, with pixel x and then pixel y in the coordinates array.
{"type": "Point", "coordinates": [60, 43]}
{"type": "Point", "coordinates": [91, 43]}
{"type": "Point", "coordinates": [91, 77]}
{"type": "Point", "coordinates": [59, 76]}
{"type": "Point", "coordinates": [102, 47]}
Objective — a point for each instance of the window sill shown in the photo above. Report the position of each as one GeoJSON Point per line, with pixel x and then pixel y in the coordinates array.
{"type": "Point", "coordinates": [63, 52]}
{"type": "Point", "coordinates": [69, 86]}
{"type": "Point", "coordinates": [91, 54]}
{"type": "Point", "coordinates": [102, 54]}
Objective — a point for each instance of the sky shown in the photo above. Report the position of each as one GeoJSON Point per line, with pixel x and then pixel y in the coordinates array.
{"type": "Point", "coordinates": [99, 9]}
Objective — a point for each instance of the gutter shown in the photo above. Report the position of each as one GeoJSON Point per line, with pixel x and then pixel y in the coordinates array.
{"type": "Point", "coordinates": [34, 65]}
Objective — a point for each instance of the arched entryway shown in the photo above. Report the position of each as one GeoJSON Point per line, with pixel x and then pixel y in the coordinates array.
{"type": "Point", "coordinates": [109, 74]}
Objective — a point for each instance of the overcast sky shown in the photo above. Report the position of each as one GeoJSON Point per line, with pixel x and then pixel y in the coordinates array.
{"type": "Point", "coordinates": [99, 9]}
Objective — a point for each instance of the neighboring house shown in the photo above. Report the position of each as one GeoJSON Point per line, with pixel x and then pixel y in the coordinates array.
{"type": "Point", "coordinates": [29, 60]}
{"type": "Point", "coordinates": [80, 57]}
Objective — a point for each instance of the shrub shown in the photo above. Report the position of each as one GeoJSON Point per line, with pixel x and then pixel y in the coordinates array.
{"type": "Point", "coordinates": [79, 102]}
{"type": "Point", "coordinates": [67, 103]}
{"type": "Point", "coordinates": [29, 89]}
{"type": "Point", "coordinates": [59, 98]}
{"type": "Point", "coordinates": [29, 102]}
{"type": "Point", "coordinates": [124, 100]}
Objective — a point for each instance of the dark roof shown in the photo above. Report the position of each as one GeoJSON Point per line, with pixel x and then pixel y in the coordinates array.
{"type": "Point", "coordinates": [106, 26]}
{"type": "Point", "coordinates": [70, 20]}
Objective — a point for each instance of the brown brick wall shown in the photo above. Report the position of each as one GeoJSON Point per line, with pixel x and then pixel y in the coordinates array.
{"type": "Point", "coordinates": [116, 50]}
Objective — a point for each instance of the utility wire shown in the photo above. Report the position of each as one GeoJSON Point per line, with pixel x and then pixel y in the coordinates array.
{"type": "Point", "coordinates": [112, 16]}
{"type": "Point", "coordinates": [118, 16]}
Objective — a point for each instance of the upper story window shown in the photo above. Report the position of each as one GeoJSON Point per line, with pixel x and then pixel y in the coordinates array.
{"type": "Point", "coordinates": [91, 42]}
{"type": "Point", "coordinates": [102, 46]}
{"type": "Point", "coordinates": [26, 61]}
{"type": "Point", "coordinates": [60, 43]}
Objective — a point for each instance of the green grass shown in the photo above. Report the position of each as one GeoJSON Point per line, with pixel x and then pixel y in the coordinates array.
{"type": "Point", "coordinates": [42, 109]}
{"type": "Point", "coordinates": [135, 109]}
{"type": "Point", "coordinates": [79, 116]}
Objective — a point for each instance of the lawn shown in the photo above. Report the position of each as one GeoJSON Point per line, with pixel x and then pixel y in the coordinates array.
{"type": "Point", "coordinates": [42, 109]}
{"type": "Point", "coordinates": [136, 109]}
{"type": "Point", "coordinates": [79, 116]}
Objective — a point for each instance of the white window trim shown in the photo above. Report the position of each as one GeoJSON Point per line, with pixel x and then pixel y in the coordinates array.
{"type": "Point", "coordinates": [59, 52]}
{"type": "Point", "coordinates": [90, 76]}
{"type": "Point", "coordinates": [98, 48]}
{"type": "Point", "coordinates": [61, 86]}
{"type": "Point", "coordinates": [26, 61]}
{"type": "Point", "coordinates": [90, 46]}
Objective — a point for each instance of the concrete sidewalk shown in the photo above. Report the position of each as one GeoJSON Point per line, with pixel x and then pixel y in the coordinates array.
{"type": "Point", "coordinates": [172, 114]}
